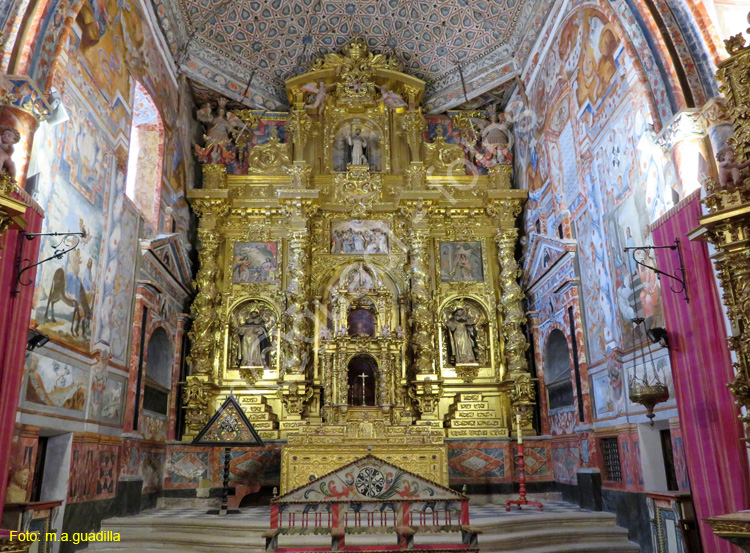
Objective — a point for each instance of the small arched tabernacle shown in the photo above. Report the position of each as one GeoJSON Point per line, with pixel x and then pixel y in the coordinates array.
{"type": "Point", "coordinates": [362, 374]}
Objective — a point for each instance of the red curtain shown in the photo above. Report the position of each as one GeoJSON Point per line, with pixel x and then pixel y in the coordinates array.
{"type": "Point", "coordinates": [701, 365]}
{"type": "Point", "coordinates": [15, 311]}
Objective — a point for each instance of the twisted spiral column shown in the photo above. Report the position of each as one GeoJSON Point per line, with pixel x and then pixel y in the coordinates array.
{"type": "Point", "coordinates": [206, 326]}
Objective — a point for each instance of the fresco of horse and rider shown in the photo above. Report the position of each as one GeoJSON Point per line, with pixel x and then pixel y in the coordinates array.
{"type": "Point", "coordinates": [66, 288]}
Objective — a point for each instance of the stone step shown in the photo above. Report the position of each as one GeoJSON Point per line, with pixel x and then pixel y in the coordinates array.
{"type": "Point", "coordinates": [176, 538]}
{"type": "Point", "coordinates": [602, 547]}
{"type": "Point", "coordinates": [542, 521]}
{"type": "Point", "coordinates": [542, 538]}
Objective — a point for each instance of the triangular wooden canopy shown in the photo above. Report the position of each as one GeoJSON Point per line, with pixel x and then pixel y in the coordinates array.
{"type": "Point", "coordinates": [229, 427]}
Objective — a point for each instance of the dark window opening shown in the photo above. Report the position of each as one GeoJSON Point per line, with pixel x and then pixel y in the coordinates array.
{"type": "Point", "coordinates": [41, 457]}
{"type": "Point", "coordinates": [611, 456]}
{"type": "Point", "coordinates": [155, 400]}
{"type": "Point", "coordinates": [557, 371]}
{"type": "Point", "coordinates": [668, 453]}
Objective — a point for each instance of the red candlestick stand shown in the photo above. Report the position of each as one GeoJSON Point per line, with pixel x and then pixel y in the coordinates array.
{"type": "Point", "coordinates": [521, 477]}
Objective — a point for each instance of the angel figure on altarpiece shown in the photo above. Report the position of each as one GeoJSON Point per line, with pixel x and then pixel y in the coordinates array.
{"type": "Point", "coordinates": [218, 127]}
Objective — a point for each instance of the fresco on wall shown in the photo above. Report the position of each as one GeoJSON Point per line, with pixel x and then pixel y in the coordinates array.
{"type": "Point", "coordinates": [107, 398]}
{"type": "Point", "coordinates": [595, 155]}
{"type": "Point", "coordinates": [119, 262]}
{"type": "Point", "coordinates": [588, 43]}
{"type": "Point", "coordinates": [66, 289]}
{"type": "Point", "coordinates": [638, 290]}
{"type": "Point", "coordinates": [55, 384]}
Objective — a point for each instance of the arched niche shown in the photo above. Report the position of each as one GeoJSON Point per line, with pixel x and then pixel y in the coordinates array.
{"type": "Point", "coordinates": [368, 133]}
{"type": "Point", "coordinates": [362, 379]}
{"type": "Point", "coordinates": [359, 286]}
{"type": "Point", "coordinates": [159, 364]}
{"type": "Point", "coordinates": [557, 375]}
{"type": "Point", "coordinates": [252, 334]}
{"type": "Point", "coordinates": [465, 331]}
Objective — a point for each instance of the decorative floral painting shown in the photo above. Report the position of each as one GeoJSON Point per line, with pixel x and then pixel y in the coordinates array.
{"type": "Point", "coordinates": [359, 237]}
{"type": "Point", "coordinates": [254, 262]}
{"type": "Point", "coordinates": [461, 262]}
{"type": "Point", "coordinates": [55, 384]}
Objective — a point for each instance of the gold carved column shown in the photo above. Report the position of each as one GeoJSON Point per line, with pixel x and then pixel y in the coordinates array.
{"type": "Point", "coordinates": [295, 389]}
{"type": "Point", "coordinates": [511, 315]}
{"type": "Point", "coordinates": [427, 386]}
{"type": "Point", "coordinates": [206, 327]}
{"type": "Point", "coordinates": [205, 334]}
{"type": "Point", "coordinates": [728, 221]}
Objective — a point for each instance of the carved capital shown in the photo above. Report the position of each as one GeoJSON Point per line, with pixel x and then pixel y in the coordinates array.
{"type": "Point", "coordinates": [416, 176]}
{"type": "Point", "coordinates": [214, 176]}
{"type": "Point", "coordinates": [300, 173]}
{"type": "Point", "coordinates": [504, 212]}
{"type": "Point", "coordinates": [499, 176]}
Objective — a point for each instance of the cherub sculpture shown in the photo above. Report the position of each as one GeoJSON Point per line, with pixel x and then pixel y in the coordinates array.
{"type": "Point", "coordinates": [320, 90]}
{"type": "Point", "coordinates": [218, 127]}
{"type": "Point", "coordinates": [729, 169]}
{"type": "Point", "coordinates": [8, 137]}
{"type": "Point", "coordinates": [391, 99]}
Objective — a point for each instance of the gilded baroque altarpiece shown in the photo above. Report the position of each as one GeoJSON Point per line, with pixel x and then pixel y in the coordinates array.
{"type": "Point", "coordinates": [358, 290]}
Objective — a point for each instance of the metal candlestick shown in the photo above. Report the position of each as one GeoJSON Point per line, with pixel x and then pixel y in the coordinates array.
{"type": "Point", "coordinates": [521, 476]}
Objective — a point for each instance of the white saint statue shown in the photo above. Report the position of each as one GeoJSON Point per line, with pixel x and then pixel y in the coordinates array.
{"type": "Point", "coordinates": [253, 340]}
{"type": "Point", "coordinates": [462, 331]}
{"type": "Point", "coordinates": [357, 144]}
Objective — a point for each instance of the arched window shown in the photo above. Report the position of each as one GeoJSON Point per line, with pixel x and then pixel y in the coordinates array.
{"type": "Point", "coordinates": [145, 157]}
{"type": "Point", "coordinates": [557, 373]}
{"type": "Point", "coordinates": [159, 363]}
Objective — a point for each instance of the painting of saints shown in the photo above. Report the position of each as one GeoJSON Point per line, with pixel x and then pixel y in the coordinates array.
{"type": "Point", "coordinates": [461, 262]}
{"type": "Point", "coordinates": [254, 262]}
{"type": "Point", "coordinates": [359, 237]}
{"type": "Point", "coordinates": [587, 47]}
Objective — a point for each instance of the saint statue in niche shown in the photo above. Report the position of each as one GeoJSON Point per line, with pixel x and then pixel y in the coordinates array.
{"type": "Point", "coordinates": [358, 144]}
{"type": "Point", "coordinates": [254, 341]}
{"type": "Point", "coordinates": [462, 331]}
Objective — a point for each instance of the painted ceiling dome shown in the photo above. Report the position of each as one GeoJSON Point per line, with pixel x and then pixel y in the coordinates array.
{"type": "Point", "coordinates": [246, 49]}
